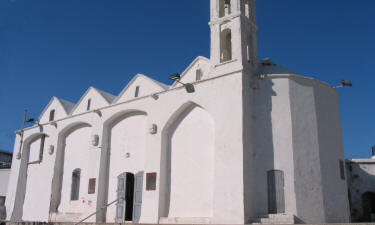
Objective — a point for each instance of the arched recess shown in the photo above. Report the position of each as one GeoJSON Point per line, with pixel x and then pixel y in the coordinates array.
{"type": "Point", "coordinates": [17, 213]}
{"type": "Point", "coordinates": [187, 160]}
{"type": "Point", "coordinates": [105, 158]}
{"type": "Point", "coordinates": [57, 180]}
{"type": "Point", "coordinates": [226, 45]}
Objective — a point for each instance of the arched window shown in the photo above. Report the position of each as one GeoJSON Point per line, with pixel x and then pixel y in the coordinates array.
{"type": "Point", "coordinates": [247, 8]}
{"type": "Point", "coordinates": [52, 115]}
{"type": "Point", "coordinates": [76, 178]}
{"type": "Point", "coordinates": [226, 45]}
{"type": "Point", "coordinates": [224, 8]}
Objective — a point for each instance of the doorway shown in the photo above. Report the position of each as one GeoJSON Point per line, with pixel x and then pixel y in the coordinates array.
{"type": "Point", "coordinates": [125, 196]}
{"type": "Point", "coordinates": [368, 204]}
{"type": "Point", "coordinates": [129, 195]}
{"type": "Point", "coordinates": [276, 199]}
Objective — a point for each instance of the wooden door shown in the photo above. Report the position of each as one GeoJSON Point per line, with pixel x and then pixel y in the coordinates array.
{"type": "Point", "coordinates": [121, 203]}
{"type": "Point", "coordinates": [276, 199]}
{"type": "Point", "coordinates": [138, 187]}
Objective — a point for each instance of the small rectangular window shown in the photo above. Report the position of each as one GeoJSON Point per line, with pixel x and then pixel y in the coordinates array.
{"type": "Point", "coordinates": [198, 74]}
{"type": "Point", "coordinates": [342, 170]}
{"type": "Point", "coordinates": [2, 200]}
{"type": "Point", "coordinates": [150, 181]}
{"type": "Point", "coordinates": [92, 183]}
{"type": "Point", "coordinates": [52, 115]}
{"type": "Point", "coordinates": [136, 92]}
{"type": "Point", "coordinates": [88, 104]}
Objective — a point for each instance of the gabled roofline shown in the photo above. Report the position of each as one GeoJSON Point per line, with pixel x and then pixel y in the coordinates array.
{"type": "Point", "coordinates": [63, 102]}
{"type": "Point", "coordinates": [161, 85]}
{"type": "Point", "coordinates": [50, 102]}
{"type": "Point", "coordinates": [100, 92]}
{"type": "Point", "coordinates": [107, 96]}
{"type": "Point", "coordinates": [190, 66]}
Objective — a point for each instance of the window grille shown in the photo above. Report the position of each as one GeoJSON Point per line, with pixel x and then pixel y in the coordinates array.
{"type": "Point", "coordinates": [92, 183]}
{"type": "Point", "coordinates": [150, 181]}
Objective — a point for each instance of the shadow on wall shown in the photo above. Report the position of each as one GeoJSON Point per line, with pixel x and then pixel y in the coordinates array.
{"type": "Point", "coordinates": [362, 194]}
{"type": "Point", "coordinates": [3, 213]}
{"type": "Point", "coordinates": [263, 139]}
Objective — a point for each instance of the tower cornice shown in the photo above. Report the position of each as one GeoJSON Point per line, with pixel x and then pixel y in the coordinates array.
{"type": "Point", "coordinates": [227, 18]}
{"type": "Point", "coordinates": [231, 17]}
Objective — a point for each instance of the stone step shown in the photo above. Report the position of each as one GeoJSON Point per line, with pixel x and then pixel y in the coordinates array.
{"type": "Point", "coordinates": [274, 219]}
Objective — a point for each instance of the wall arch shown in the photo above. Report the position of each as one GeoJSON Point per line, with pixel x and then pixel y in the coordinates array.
{"type": "Point", "coordinates": [17, 213]}
{"type": "Point", "coordinates": [187, 142]}
{"type": "Point", "coordinates": [59, 163]}
{"type": "Point", "coordinates": [105, 161]}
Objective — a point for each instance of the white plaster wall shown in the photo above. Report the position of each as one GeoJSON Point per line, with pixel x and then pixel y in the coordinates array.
{"type": "Point", "coordinates": [335, 193]}
{"type": "Point", "coordinates": [34, 151]}
{"type": "Point", "coordinates": [127, 136]}
{"type": "Point", "coordinates": [38, 184]}
{"type": "Point", "coordinates": [307, 171]}
{"type": "Point", "coordinates": [283, 140]}
{"type": "Point", "coordinates": [4, 179]}
{"type": "Point", "coordinates": [249, 150]}
{"type": "Point", "coordinates": [192, 154]}
{"type": "Point", "coordinates": [228, 193]}
{"type": "Point", "coordinates": [273, 138]}
{"type": "Point", "coordinates": [13, 179]}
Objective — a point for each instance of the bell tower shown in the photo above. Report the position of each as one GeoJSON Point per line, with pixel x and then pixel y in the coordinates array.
{"type": "Point", "coordinates": [234, 35]}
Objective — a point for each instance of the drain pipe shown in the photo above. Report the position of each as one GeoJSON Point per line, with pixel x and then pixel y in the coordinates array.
{"type": "Point", "coordinates": [18, 156]}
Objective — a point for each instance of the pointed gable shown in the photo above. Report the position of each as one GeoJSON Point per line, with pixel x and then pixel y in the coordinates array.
{"type": "Point", "coordinates": [55, 110]}
{"type": "Point", "coordinates": [199, 69]}
{"type": "Point", "coordinates": [139, 86]}
{"type": "Point", "coordinates": [92, 99]}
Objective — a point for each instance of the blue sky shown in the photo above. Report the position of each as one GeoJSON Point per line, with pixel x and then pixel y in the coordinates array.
{"type": "Point", "coordinates": [61, 47]}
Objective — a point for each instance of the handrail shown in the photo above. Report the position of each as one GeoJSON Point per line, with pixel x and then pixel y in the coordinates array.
{"type": "Point", "coordinates": [92, 214]}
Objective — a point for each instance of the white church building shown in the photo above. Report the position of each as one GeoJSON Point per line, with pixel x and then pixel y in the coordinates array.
{"type": "Point", "coordinates": [250, 142]}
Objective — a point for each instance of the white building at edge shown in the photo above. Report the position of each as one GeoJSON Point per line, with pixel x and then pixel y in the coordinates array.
{"type": "Point", "coordinates": [252, 140]}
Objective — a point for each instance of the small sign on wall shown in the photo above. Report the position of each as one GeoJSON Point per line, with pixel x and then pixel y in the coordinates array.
{"type": "Point", "coordinates": [150, 181]}
{"type": "Point", "coordinates": [92, 183]}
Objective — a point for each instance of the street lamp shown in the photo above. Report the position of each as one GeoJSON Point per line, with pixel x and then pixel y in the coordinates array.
{"type": "Point", "coordinates": [25, 120]}
{"type": "Point", "coordinates": [188, 87]}
{"type": "Point", "coordinates": [344, 83]}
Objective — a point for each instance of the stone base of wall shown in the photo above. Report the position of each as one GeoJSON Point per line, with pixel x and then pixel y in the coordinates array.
{"type": "Point", "coordinates": [39, 223]}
